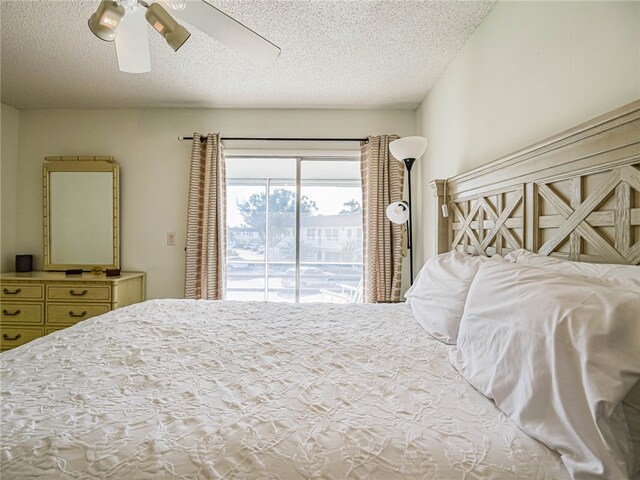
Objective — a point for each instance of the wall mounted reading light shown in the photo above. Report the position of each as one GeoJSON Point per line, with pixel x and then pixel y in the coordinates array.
{"type": "Point", "coordinates": [174, 33]}
{"type": "Point", "coordinates": [407, 150]}
{"type": "Point", "coordinates": [104, 22]}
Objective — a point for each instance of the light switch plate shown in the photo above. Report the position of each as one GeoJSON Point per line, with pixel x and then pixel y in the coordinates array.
{"type": "Point", "coordinates": [171, 239]}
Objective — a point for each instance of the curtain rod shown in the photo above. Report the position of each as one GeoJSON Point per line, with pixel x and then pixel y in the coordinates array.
{"type": "Point", "coordinates": [266, 139]}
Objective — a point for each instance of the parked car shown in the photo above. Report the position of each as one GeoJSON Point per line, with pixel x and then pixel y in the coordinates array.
{"type": "Point", "coordinates": [310, 277]}
{"type": "Point", "coordinates": [239, 263]}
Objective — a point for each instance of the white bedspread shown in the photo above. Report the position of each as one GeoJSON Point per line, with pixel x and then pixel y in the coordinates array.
{"type": "Point", "coordinates": [201, 390]}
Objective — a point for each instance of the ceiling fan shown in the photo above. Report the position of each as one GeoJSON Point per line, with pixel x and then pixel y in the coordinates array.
{"type": "Point", "coordinates": [124, 21]}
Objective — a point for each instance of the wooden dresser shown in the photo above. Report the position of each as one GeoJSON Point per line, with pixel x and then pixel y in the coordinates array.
{"type": "Point", "coordinates": [37, 303]}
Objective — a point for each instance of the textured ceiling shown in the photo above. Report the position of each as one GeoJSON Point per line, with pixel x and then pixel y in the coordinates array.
{"type": "Point", "coordinates": [335, 54]}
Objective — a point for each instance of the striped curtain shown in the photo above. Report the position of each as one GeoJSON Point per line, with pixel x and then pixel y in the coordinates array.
{"type": "Point", "coordinates": [206, 223]}
{"type": "Point", "coordinates": [382, 183]}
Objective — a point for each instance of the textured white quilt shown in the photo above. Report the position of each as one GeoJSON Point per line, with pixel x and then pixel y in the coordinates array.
{"type": "Point", "coordinates": [201, 390]}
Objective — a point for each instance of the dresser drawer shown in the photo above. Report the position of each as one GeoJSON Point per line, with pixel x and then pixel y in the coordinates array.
{"type": "Point", "coordinates": [68, 314]}
{"type": "Point", "coordinates": [21, 313]}
{"type": "Point", "coordinates": [21, 292]}
{"type": "Point", "coordinates": [15, 336]}
{"type": "Point", "coordinates": [79, 293]}
{"type": "Point", "coordinates": [49, 330]}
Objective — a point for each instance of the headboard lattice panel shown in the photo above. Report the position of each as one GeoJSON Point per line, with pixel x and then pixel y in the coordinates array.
{"type": "Point", "coordinates": [591, 218]}
{"type": "Point", "coordinates": [575, 196]}
{"type": "Point", "coordinates": [489, 224]}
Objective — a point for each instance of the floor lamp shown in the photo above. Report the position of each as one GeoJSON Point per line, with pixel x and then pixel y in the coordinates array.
{"type": "Point", "coordinates": [406, 150]}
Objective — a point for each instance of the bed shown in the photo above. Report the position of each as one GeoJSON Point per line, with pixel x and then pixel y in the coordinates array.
{"type": "Point", "coordinates": [204, 389]}
{"type": "Point", "coordinates": [198, 389]}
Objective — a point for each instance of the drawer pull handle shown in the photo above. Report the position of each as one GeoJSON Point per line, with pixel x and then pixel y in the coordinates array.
{"type": "Point", "coordinates": [77, 315]}
{"type": "Point", "coordinates": [6, 291]}
{"type": "Point", "coordinates": [7, 337]}
{"type": "Point", "coordinates": [9, 314]}
{"type": "Point", "coordinates": [82, 293]}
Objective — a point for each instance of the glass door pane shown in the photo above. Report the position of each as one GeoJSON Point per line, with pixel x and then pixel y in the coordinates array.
{"type": "Point", "coordinates": [330, 231]}
{"type": "Point", "coordinates": [246, 220]}
{"type": "Point", "coordinates": [261, 209]}
{"type": "Point", "coordinates": [281, 240]}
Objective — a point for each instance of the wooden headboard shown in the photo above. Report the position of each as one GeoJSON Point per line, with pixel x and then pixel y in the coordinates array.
{"type": "Point", "coordinates": [575, 196]}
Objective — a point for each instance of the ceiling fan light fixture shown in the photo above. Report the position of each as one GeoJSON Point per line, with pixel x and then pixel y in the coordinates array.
{"type": "Point", "coordinates": [104, 22]}
{"type": "Point", "coordinates": [163, 23]}
{"type": "Point", "coordinates": [177, 38]}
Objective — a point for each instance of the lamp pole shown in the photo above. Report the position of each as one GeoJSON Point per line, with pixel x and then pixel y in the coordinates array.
{"type": "Point", "coordinates": [408, 162]}
{"type": "Point", "coordinates": [409, 149]}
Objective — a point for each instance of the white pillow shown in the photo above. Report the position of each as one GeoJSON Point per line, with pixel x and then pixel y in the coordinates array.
{"type": "Point", "coordinates": [438, 294]}
{"type": "Point", "coordinates": [596, 270]}
{"type": "Point", "coordinates": [631, 407]}
{"type": "Point", "coordinates": [557, 353]}
{"type": "Point", "coordinates": [626, 274]}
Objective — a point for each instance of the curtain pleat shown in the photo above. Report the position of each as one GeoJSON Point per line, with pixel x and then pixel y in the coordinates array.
{"type": "Point", "coordinates": [206, 220]}
{"type": "Point", "coordinates": [382, 184]}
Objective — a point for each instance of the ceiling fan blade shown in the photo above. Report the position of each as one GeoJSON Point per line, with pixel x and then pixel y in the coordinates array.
{"type": "Point", "coordinates": [132, 43]}
{"type": "Point", "coordinates": [222, 27]}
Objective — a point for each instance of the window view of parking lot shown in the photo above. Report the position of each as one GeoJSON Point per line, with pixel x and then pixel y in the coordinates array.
{"type": "Point", "coordinates": [262, 245]}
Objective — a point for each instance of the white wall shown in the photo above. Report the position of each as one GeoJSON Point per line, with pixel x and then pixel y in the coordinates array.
{"type": "Point", "coordinates": [531, 70]}
{"type": "Point", "coordinates": [155, 167]}
{"type": "Point", "coordinates": [9, 185]}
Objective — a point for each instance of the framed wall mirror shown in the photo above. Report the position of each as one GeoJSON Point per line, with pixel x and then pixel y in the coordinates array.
{"type": "Point", "coordinates": [81, 213]}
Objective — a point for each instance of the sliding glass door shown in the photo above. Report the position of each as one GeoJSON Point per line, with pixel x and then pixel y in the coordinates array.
{"type": "Point", "coordinates": [294, 229]}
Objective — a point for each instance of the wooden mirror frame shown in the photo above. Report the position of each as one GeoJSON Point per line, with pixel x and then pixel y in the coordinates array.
{"type": "Point", "coordinates": [80, 164]}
